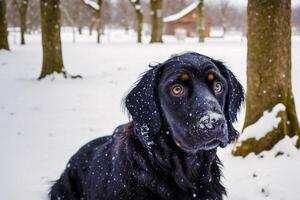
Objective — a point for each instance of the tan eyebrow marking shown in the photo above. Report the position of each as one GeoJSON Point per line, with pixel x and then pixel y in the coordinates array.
{"type": "Point", "coordinates": [210, 77]}
{"type": "Point", "coordinates": [177, 143]}
{"type": "Point", "coordinates": [184, 77]}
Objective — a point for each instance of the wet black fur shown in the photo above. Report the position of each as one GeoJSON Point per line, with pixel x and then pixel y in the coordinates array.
{"type": "Point", "coordinates": [143, 162]}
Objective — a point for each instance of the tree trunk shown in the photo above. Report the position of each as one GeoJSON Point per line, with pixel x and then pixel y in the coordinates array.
{"type": "Point", "coordinates": [21, 7]}
{"type": "Point", "coordinates": [91, 26]}
{"type": "Point", "coordinates": [201, 21]}
{"type": "Point", "coordinates": [223, 10]}
{"type": "Point", "coordinates": [269, 73]}
{"type": "Point", "coordinates": [224, 27]}
{"type": "Point", "coordinates": [156, 20]}
{"type": "Point", "coordinates": [97, 16]}
{"type": "Point", "coordinates": [98, 24]}
{"type": "Point", "coordinates": [138, 18]}
{"type": "Point", "coordinates": [50, 24]}
{"type": "Point", "coordinates": [80, 30]}
{"type": "Point", "coordinates": [139, 25]}
{"type": "Point", "coordinates": [23, 27]}
{"type": "Point", "coordinates": [3, 26]}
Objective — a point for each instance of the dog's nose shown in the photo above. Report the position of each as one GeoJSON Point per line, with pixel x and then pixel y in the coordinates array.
{"type": "Point", "coordinates": [212, 121]}
{"type": "Point", "coordinates": [215, 124]}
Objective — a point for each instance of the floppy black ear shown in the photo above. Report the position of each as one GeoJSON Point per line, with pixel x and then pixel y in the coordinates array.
{"type": "Point", "coordinates": [234, 98]}
{"type": "Point", "coordinates": [141, 102]}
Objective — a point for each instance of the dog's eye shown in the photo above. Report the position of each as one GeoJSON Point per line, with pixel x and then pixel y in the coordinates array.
{"type": "Point", "coordinates": [210, 76]}
{"type": "Point", "coordinates": [177, 90]}
{"type": "Point", "coordinates": [217, 87]}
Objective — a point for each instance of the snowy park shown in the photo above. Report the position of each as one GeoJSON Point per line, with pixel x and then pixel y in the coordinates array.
{"type": "Point", "coordinates": [200, 100]}
{"type": "Point", "coordinates": [44, 122]}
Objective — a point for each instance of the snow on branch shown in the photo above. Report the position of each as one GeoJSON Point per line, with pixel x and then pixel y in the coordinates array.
{"type": "Point", "coordinates": [136, 4]}
{"type": "Point", "coordinates": [92, 3]}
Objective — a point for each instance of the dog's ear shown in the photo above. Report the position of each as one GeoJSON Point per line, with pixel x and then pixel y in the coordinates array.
{"type": "Point", "coordinates": [142, 104]}
{"type": "Point", "coordinates": [234, 98]}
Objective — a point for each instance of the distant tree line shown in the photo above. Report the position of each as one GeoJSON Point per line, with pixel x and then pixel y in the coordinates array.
{"type": "Point", "coordinates": [119, 14]}
{"type": "Point", "coordinates": [122, 14]}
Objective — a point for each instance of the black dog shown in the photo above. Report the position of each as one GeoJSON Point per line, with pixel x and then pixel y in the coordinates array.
{"type": "Point", "coordinates": [182, 110]}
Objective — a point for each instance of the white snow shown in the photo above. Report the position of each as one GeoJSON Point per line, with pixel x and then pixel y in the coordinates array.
{"type": "Point", "coordinates": [138, 7]}
{"type": "Point", "coordinates": [92, 3]}
{"type": "Point", "coordinates": [42, 123]}
{"type": "Point", "coordinates": [182, 13]}
{"type": "Point", "coordinates": [263, 177]}
{"type": "Point", "coordinates": [265, 124]}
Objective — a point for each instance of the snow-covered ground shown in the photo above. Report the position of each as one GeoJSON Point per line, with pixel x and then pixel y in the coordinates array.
{"type": "Point", "coordinates": [42, 123]}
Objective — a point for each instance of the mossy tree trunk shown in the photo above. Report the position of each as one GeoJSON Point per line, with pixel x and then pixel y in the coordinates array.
{"type": "Point", "coordinates": [50, 24]}
{"type": "Point", "coordinates": [156, 20]}
{"type": "Point", "coordinates": [138, 19]}
{"type": "Point", "coordinates": [3, 26]}
{"type": "Point", "coordinates": [269, 73]}
{"type": "Point", "coordinates": [21, 7]}
{"type": "Point", "coordinates": [201, 21]}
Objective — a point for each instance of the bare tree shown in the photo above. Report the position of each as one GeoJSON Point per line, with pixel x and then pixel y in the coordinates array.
{"type": "Point", "coordinates": [125, 9]}
{"type": "Point", "coordinates": [75, 14]}
{"type": "Point", "coordinates": [21, 7]}
{"type": "Point", "coordinates": [52, 53]}
{"type": "Point", "coordinates": [96, 7]}
{"type": "Point", "coordinates": [33, 16]}
{"type": "Point", "coordinates": [71, 21]}
{"type": "Point", "coordinates": [138, 18]}
{"type": "Point", "coordinates": [3, 26]}
{"type": "Point", "coordinates": [201, 21]}
{"type": "Point", "coordinates": [224, 5]}
{"type": "Point", "coordinates": [156, 20]}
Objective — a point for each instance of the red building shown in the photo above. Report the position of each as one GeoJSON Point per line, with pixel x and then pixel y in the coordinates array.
{"type": "Point", "coordinates": [185, 21]}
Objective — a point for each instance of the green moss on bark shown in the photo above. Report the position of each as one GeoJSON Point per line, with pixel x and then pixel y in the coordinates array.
{"type": "Point", "coordinates": [3, 26]}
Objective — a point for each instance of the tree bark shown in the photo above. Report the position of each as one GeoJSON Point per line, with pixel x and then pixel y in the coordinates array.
{"type": "Point", "coordinates": [21, 8]}
{"type": "Point", "coordinates": [50, 24]}
{"type": "Point", "coordinates": [156, 20]}
{"type": "Point", "coordinates": [98, 25]}
{"type": "Point", "coordinates": [138, 19]}
{"type": "Point", "coordinates": [139, 25]}
{"type": "Point", "coordinates": [91, 28]}
{"type": "Point", "coordinates": [3, 26]}
{"type": "Point", "coordinates": [269, 73]}
{"type": "Point", "coordinates": [97, 15]}
{"type": "Point", "coordinates": [201, 21]}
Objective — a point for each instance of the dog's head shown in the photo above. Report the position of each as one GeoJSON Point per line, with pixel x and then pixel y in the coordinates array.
{"type": "Point", "coordinates": [197, 98]}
